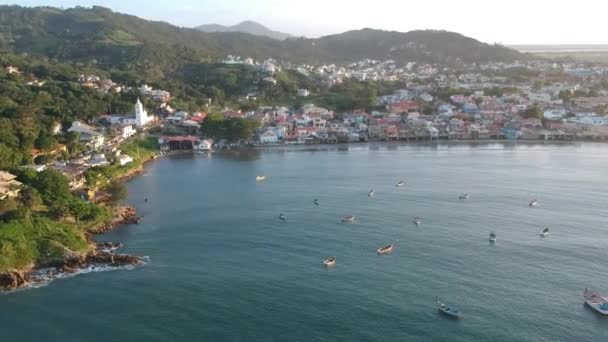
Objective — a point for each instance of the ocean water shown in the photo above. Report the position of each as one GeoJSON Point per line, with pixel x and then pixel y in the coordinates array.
{"type": "Point", "coordinates": [223, 267]}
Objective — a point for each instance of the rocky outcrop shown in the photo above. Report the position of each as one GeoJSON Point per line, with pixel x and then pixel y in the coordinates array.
{"type": "Point", "coordinates": [124, 215]}
{"type": "Point", "coordinates": [102, 256]}
{"type": "Point", "coordinates": [10, 281]}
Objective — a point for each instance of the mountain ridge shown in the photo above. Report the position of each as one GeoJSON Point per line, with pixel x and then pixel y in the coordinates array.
{"type": "Point", "coordinates": [100, 37]}
{"type": "Point", "coordinates": [247, 26]}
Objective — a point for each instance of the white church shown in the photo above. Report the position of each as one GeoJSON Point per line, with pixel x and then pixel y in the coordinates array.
{"type": "Point", "coordinates": [139, 120]}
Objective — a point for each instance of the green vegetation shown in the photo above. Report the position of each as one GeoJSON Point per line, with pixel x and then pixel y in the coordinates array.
{"type": "Point", "coordinates": [47, 222]}
{"type": "Point", "coordinates": [24, 242]}
{"type": "Point", "coordinates": [234, 129]}
{"type": "Point", "coordinates": [141, 150]}
{"type": "Point", "coordinates": [98, 37]}
{"type": "Point", "coordinates": [533, 112]}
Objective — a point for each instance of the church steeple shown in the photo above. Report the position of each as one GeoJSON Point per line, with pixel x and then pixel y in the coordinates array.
{"type": "Point", "coordinates": [141, 116]}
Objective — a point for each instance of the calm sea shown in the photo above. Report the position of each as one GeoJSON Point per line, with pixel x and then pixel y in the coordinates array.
{"type": "Point", "coordinates": [223, 267]}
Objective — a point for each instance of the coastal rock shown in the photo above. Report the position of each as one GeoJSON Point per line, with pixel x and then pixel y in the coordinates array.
{"type": "Point", "coordinates": [124, 215]}
{"type": "Point", "coordinates": [10, 281]}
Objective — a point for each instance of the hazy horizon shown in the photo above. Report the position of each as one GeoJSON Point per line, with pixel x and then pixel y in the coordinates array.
{"type": "Point", "coordinates": [517, 23]}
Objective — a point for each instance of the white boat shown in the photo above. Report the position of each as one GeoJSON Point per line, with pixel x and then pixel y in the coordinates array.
{"type": "Point", "coordinates": [596, 302]}
{"type": "Point", "coordinates": [533, 203]}
{"type": "Point", "coordinates": [260, 178]}
{"type": "Point", "coordinates": [283, 217]}
{"type": "Point", "coordinates": [349, 218]}
{"type": "Point", "coordinates": [492, 237]}
{"type": "Point", "coordinates": [371, 193]}
{"type": "Point", "coordinates": [330, 262]}
{"type": "Point", "coordinates": [447, 310]}
{"type": "Point", "coordinates": [417, 221]}
{"type": "Point", "coordinates": [400, 183]}
{"type": "Point", "coordinates": [463, 197]}
{"type": "Point", "coordinates": [385, 250]}
{"type": "Point", "coordinates": [545, 232]}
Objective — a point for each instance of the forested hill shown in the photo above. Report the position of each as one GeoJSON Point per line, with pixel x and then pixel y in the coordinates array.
{"type": "Point", "coordinates": [106, 38]}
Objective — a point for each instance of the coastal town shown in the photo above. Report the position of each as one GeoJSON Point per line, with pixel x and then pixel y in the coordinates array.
{"type": "Point", "coordinates": [532, 100]}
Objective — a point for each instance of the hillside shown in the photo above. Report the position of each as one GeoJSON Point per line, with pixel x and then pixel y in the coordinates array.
{"type": "Point", "coordinates": [250, 27]}
{"type": "Point", "coordinates": [102, 38]}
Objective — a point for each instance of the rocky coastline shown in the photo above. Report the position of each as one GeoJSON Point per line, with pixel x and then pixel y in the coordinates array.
{"type": "Point", "coordinates": [103, 256]}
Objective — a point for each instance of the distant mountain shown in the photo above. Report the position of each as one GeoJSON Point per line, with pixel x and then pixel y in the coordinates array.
{"type": "Point", "coordinates": [248, 26]}
{"type": "Point", "coordinates": [105, 39]}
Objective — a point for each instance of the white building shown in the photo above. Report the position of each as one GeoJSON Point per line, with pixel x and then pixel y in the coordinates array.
{"type": "Point", "coordinates": [124, 159]}
{"type": "Point", "coordinates": [555, 114]}
{"type": "Point", "coordinates": [590, 120]}
{"type": "Point", "coordinates": [126, 131]}
{"type": "Point", "coordinates": [141, 116]}
{"type": "Point", "coordinates": [303, 92]}
{"type": "Point", "coordinates": [88, 134]}
{"type": "Point", "coordinates": [269, 137]}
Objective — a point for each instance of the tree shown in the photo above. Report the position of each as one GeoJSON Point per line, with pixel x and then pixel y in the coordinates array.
{"type": "Point", "coordinates": [53, 187]}
{"type": "Point", "coordinates": [533, 112]}
{"type": "Point", "coordinates": [30, 199]}
{"type": "Point", "coordinates": [117, 192]}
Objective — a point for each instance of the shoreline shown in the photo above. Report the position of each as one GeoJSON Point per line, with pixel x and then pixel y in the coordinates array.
{"type": "Point", "coordinates": [102, 257]}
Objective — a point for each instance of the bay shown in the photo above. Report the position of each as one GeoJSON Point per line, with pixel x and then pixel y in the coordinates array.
{"type": "Point", "coordinates": [223, 267]}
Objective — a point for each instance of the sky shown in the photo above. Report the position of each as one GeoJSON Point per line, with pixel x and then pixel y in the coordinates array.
{"type": "Point", "coordinates": [507, 21]}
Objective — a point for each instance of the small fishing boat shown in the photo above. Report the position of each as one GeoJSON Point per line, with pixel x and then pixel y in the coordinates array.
{"type": "Point", "coordinates": [463, 197]}
{"type": "Point", "coordinates": [385, 250]}
{"type": "Point", "coordinates": [417, 221]}
{"type": "Point", "coordinates": [533, 203]}
{"type": "Point", "coordinates": [330, 262]}
{"type": "Point", "coordinates": [492, 237]}
{"type": "Point", "coordinates": [349, 218]}
{"type": "Point", "coordinates": [282, 217]}
{"type": "Point", "coordinates": [371, 193]}
{"type": "Point", "coordinates": [400, 183]}
{"type": "Point", "coordinates": [447, 310]}
{"type": "Point", "coordinates": [545, 232]}
{"type": "Point", "coordinates": [260, 178]}
{"type": "Point", "coordinates": [316, 201]}
{"type": "Point", "coordinates": [596, 302]}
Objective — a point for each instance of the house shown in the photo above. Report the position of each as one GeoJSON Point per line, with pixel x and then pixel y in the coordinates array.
{"type": "Point", "coordinates": [9, 186]}
{"type": "Point", "coordinates": [98, 160]}
{"type": "Point", "coordinates": [204, 145]}
{"type": "Point", "coordinates": [124, 159]}
{"type": "Point", "coordinates": [125, 131]}
{"type": "Point", "coordinates": [269, 137]}
{"type": "Point", "coordinates": [12, 70]}
{"type": "Point", "coordinates": [73, 172]}
{"type": "Point", "coordinates": [88, 134]}
{"type": "Point", "coordinates": [470, 108]}
{"type": "Point", "coordinates": [303, 92]}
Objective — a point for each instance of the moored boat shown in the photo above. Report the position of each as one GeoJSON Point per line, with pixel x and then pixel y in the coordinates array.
{"type": "Point", "coordinates": [282, 217]}
{"type": "Point", "coordinates": [349, 218]}
{"type": "Point", "coordinates": [260, 178]}
{"type": "Point", "coordinates": [330, 262]}
{"type": "Point", "coordinates": [417, 221]}
{"type": "Point", "coordinates": [492, 237]}
{"type": "Point", "coordinates": [545, 232]}
{"type": "Point", "coordinates": [385, 250]}
{"type": "Point", "coordinates": [371, 193]}
{"type": "Point", "coordinates": [447, 310]}
{"type": "Point", "coordinates": [463, 196]}
{"type": "Point", "coordinates": [596, 302]}
{"type": "Point", "coordinates": [316, 201]}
